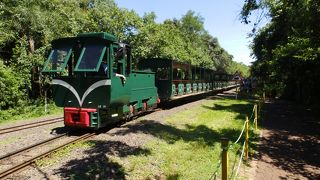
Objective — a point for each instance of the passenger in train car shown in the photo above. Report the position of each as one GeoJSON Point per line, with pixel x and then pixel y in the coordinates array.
{"type": "Point", "coordinates": [175, 74]}
{"type": "Point", "coordinates": [103, 68]}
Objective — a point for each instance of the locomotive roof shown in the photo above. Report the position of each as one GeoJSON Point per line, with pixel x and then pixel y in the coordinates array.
{"type": "Point", "coordinates": [87, 36]}
{"type": "Point", "coordinates": [102, 35]}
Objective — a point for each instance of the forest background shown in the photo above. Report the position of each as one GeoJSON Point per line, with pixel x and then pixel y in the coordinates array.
{"type": "Point", "coordinates": [287, 48]}
{"type": "Point", "coordinates": [28, 26]}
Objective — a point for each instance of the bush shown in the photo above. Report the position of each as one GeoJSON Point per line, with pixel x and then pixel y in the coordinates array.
{"type": "Point", "coordinates": [11, 95]}
{"type": "Point", "coordinates": [29, 110]}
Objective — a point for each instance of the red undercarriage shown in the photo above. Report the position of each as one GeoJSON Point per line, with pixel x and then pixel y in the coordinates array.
{"type": "Point", "coordinates": [77, 117]}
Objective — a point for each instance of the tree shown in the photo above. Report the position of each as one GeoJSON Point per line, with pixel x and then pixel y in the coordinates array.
{"type": "Point", "coordinates": [10, 94]}
{"type": "Point", "coordinates": [288, 46]}
{"type": "Point", "coordinates": [28, 26]}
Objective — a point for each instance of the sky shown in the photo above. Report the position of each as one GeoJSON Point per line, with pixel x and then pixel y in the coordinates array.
{"type": "Point", "coordinates": [221, 20]}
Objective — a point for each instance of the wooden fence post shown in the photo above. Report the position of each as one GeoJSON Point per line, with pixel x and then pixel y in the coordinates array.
{"type": "Point", "coordinates": [256, 116]}
{"type": "Point", "coordinates": [247, 139]}
{"type": "Point", "coordinates": [224, 146]}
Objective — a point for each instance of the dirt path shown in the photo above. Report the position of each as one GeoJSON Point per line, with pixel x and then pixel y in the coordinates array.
{"type": "Point", "coordinates": [290, 143]}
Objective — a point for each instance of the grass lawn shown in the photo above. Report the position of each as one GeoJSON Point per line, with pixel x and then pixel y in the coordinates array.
{"type": "Point", "coordinates": [28, 112]}
{"type": "Point", "coordinates": [187, 146]}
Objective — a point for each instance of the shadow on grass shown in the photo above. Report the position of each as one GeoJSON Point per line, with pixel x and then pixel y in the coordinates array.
{"type": "Point", "coordinates": [96, 165]}
{"type": "Point", "coordinates": [240, 109]}
{"type": "Point", "coordinates": [199, 134]}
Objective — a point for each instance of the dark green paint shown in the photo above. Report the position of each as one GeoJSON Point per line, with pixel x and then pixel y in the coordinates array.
{"type": "Point", "coordinates": [111, 101]}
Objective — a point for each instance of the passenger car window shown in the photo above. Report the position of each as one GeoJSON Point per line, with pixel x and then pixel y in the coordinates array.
{"type": "Point", "coordinates": [162, 74]}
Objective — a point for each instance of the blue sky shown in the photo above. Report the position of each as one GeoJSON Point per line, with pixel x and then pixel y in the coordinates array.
{"type": "Point", "coordinates": [221, 19]}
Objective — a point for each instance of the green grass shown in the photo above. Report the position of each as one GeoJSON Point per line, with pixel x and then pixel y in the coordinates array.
{"type": "Point", "coordinates": [27, 112]}
{"type": "Point", "coordinates": [188, 145]}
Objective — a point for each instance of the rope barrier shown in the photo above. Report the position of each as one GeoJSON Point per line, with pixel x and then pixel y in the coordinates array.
{"type": "Point", "coordinates": [235, 158]}
{"type": "Point", "coordinates": [214, 175]}
{"type": "Point", "coordinates": [244, 126]}
{"type": "Point", "coordinates": [252, 112]}
{"type": "Point", "coordinates": [240, 161]}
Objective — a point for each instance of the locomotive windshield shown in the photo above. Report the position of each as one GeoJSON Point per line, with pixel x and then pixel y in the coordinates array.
{"type": "Point", "coordinates": [58, 59]}
{"type": "Point", "coordinates": [91, 57]}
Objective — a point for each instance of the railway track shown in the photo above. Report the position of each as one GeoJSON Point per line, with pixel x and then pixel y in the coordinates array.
{"type": "Point", "coordinates": [30, 125]}
{"type": "Point", "coordinates": [18, 167]}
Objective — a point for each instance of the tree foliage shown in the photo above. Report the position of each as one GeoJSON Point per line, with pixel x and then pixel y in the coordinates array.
{"type": "Point", "coordinates": [9, 87]}
{"type": "Point", "coordinates": [28, 26]}
{"type": "Point", "coordinates": [287, 49]}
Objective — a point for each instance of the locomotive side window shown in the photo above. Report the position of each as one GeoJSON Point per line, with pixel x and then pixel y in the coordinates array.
{"type": "Point", "coordinates": [90, 58]}
{"type": "Point", "coordinates": [128, 61]}
{"type": "Point", "coordinates": [119, 54]}
{"type": "Point", "coordinates": [58, 59]}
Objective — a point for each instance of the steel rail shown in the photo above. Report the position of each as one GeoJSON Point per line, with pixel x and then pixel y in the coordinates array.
{"type": "Point", "coordinates": [30, 125]}
{"type": "Point", "coordinates": [31, 146]}
{"type": "Point", "coordinates": [22, 165]}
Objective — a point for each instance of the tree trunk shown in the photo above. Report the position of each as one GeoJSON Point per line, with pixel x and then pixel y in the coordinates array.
{"type": "Point", "coordinates": [31, 45]}
{"type": "Point", "coordinates": [36, 79]}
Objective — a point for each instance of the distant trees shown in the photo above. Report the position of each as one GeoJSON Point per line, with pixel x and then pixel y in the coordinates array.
{"type": "Point", "coordinates": [28, 26]}
{"type": "Point", "coordinates": [287, 49]}
{"type": "Point", "coordinates": [182, 39]}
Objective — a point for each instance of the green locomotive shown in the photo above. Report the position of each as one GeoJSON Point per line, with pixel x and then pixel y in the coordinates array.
{"type": "Point", "coordinates": [94, 81]}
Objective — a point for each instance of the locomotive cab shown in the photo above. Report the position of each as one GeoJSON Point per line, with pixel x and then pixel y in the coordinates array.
{"type": "Point", "coordinates": [93, 80]}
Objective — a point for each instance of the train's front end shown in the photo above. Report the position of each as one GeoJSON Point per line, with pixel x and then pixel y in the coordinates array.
{"type": "Point", "coordinates": [81, 78]}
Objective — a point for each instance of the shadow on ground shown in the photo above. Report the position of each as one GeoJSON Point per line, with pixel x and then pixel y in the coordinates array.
{"type": "Point", "coordinates": [291, 139]}
{"type": "Point", "coordinates": [240, 109]}
{"type": "Point", "coordinates": [96, 165]}
{"type": "Point", "coordinates": [171, 134]}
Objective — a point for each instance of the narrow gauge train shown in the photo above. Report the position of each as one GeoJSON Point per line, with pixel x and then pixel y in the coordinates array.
{"type": "Point", "coordinates": [93, 79]}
